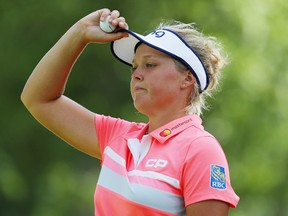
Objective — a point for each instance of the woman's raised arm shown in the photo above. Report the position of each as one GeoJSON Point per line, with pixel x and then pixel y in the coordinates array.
{"type": "Point", "coordinates": [43, 92]}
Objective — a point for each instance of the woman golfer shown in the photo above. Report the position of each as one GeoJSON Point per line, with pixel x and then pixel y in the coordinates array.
{"type": "Point", "coordinates": [168, 166]}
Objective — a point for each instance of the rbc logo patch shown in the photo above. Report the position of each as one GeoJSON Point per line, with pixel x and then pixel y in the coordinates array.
{"type": "Point", "coordinates": [217, 177]}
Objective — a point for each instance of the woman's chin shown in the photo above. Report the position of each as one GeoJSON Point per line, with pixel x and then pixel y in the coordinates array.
{"type": "Point", "coordinates": [141, 107]}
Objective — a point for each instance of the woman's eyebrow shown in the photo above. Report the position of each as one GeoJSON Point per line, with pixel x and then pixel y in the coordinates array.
{"type": "Point", "coordinates": [144, 57]}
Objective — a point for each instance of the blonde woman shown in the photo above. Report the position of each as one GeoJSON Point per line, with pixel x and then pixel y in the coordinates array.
{"type": "Point", "coordinates": [168, 166]}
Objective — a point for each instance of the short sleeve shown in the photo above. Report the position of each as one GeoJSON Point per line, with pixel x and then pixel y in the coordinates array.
{"type": "Point", "coordinates": [205, 173]}
{"type": "Point", "coordinates": [109, 128]}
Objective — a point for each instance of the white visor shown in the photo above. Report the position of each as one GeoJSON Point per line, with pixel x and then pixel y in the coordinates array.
{"type": "Point", "coordinates": [165, 41]}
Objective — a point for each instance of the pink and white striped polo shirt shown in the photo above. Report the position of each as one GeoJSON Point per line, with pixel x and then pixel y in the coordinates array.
{"type": "Point", "coordinates": [160, 173]}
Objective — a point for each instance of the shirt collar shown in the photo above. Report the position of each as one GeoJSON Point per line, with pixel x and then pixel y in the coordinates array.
{"type": "Point", "coordinates": [139, 133]}
{"type": "Point", "coordinates": [169, 130]}
{"type": "Point", "coordinates": [176, 126]}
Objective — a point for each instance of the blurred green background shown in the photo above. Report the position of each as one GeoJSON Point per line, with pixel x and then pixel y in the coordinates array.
{"type": "Point", "coordinates": [42, 176]}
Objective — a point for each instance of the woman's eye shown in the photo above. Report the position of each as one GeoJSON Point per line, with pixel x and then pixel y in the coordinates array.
{"type": "Point", "coordinates": [149, 65]}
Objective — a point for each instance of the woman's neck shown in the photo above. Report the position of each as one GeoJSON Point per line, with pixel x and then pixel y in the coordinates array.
{"type": "Point", "coordinates": [163, 118]}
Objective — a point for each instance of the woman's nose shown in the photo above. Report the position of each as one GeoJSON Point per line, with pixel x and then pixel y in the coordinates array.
{"type": "Point", "coordinates": [137, 74]}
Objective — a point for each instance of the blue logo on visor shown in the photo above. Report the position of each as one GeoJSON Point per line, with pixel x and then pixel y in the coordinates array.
{"type": "Point", "coordinates": [217, 177]}
{"type": "Point", "coordinates": [158, 33]}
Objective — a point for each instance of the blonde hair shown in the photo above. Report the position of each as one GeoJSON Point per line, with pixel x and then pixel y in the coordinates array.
{"type": "Point", "coordinates": [209, 50]}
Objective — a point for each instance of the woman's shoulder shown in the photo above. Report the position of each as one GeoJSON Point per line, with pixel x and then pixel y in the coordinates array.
{"type": "Point", "coordinates": [117, 123]}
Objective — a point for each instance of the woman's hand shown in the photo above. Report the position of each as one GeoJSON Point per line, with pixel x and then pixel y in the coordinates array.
{"type": "Point", "coordinates": [90, 26]}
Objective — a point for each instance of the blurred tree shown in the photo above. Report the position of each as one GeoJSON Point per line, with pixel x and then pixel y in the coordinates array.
{"type": "Point", "coordinates": [40, 175]}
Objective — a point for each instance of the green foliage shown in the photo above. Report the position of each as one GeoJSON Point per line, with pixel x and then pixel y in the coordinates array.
{"type": "Point", "coordinates": [40, 175]}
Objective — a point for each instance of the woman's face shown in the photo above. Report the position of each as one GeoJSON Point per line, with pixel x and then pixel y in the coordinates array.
{"type": "Point", "coordinates": [156, 83]}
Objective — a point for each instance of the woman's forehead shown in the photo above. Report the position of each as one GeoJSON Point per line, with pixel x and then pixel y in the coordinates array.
{"type": "Point", "coordinates": [144, 51]}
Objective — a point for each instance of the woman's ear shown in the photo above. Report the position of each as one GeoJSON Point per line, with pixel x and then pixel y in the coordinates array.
{"type": "Point", "coordinates": [188, 80]}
